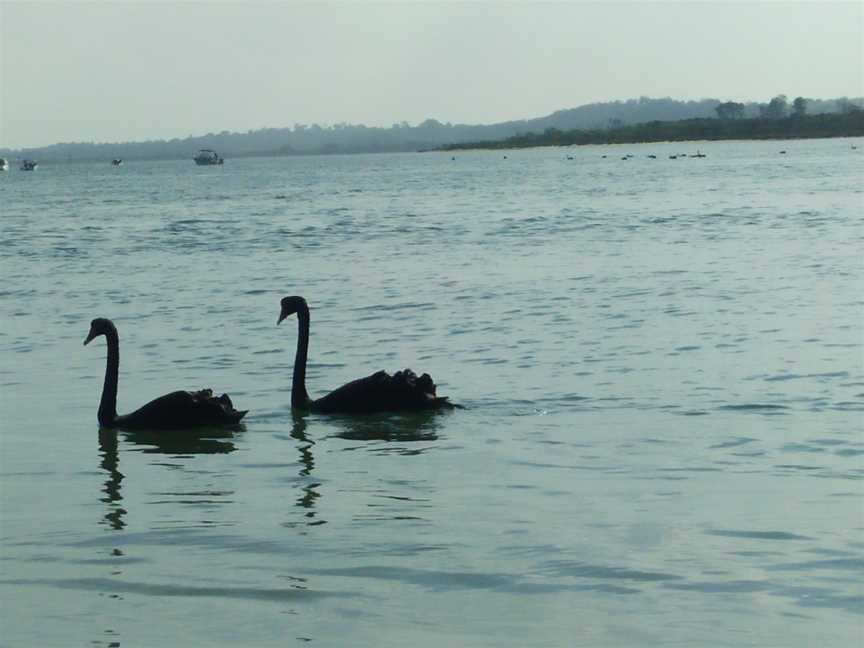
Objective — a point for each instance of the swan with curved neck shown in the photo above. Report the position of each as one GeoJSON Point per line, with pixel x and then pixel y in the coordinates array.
{"type": "Point", "coordinates": [379, 392]}
{"type": "Point", "coordinates": [179, 409]}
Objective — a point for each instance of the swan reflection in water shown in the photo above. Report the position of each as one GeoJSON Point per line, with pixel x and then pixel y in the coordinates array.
{"type": "Point", "coordinates": [298, 431]}
{"type": "Point", "coordinates": [309, 492]}
{"type": "Point", "coordinates": [184, 442]}
{"type": "Point", "coordinates": [405, 427]}
{"type": "Point", "coordinates": [180, 442]}
{"type": "Point", "coordinates": [111, 487]}
{"type": "Point", "coordinates": [400, 428]}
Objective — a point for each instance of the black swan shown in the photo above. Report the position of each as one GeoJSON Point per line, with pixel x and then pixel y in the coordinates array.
{"type": "Point", "coordinates": [379, 392]}
{"type": "Point", "coordinates": [179, 409]}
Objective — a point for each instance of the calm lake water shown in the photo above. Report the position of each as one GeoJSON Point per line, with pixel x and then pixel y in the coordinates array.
{"type": "Point", "coordinates": [661, 362]}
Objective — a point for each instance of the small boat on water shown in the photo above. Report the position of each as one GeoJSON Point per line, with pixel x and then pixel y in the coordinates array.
{"type": "Point", "coordinates": [207, 157]}
{"type": "Point", "coordinates": [4, 164]}
{"type": "Point", "coordinates": [29, 165]}
{"type": "Point", "coordinates": [116, 161]}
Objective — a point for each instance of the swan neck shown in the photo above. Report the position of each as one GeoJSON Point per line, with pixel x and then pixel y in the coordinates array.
{"type": "Point", "coordinates": [299, 396]}
{"type": "Point", "coordinates": [108, 404]}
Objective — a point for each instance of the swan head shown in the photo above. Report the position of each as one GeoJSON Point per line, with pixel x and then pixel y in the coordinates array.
{"type": "Point", "coordinates": [99, 326]}
{"type": "Point", "coordinates": [291, 305]}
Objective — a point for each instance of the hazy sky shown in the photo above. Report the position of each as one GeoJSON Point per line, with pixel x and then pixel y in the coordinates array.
{"type": "Point", "coordinates": [100, 71]}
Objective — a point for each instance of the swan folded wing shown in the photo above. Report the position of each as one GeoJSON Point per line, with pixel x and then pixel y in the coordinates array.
{"type": "Point", "coordinates": [417, 392]}
{"type": "Point", "coordinates": [381, 392]}
{"type": "Point", "coordinates": [183, 409]}
{"type": "Point", "coordinates": [219, 408]}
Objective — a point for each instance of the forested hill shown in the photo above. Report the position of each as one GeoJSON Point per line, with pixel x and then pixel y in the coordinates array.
{"type": "Point", "coordinates": [348, 138]}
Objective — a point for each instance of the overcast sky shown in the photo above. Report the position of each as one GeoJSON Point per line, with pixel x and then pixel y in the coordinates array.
{"type": "Point", "coordinates": [100, 71]}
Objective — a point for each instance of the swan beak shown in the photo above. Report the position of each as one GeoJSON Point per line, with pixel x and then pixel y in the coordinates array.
{"type": "Point", "coordinates": [89, 338]}
{"type": "Point", "coordinates": [282, 316]}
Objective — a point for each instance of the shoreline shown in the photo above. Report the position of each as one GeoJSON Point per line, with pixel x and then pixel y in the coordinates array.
{"type": "Point", "coordinates": [464, 148]}
{"type": "Point", "coordinates": [824, 126]}
{"type": "Point", "coordinates": [639, 143]}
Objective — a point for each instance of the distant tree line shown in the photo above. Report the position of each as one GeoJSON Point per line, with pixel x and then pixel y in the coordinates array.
{"type": "Point", "coordinates": [846, 124]}
{"type": "Point", "coordinates": [778, 108]}
{"type": "Point", "coordinates": [305, 139]}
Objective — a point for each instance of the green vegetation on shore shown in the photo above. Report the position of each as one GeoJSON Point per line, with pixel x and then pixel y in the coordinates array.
{"type": "Point", "coordinates": [848, 124]}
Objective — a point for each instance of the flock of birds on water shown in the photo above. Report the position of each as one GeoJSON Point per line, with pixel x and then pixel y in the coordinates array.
{"type": "Point", "coordinates": [651, 156]}
{"type": "Point", "coordinates": [29, 165]}
{"type": "Point", "coordinates": [379, 392]}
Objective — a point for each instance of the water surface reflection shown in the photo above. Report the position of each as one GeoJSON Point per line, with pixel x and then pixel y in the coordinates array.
{"type": "Point", "coordinates": [178, 444]}
{"type": "Point", "coordinates": [111, 488]}
{"type": "Point", "coordinates": [408, 426]}
{"type": "Point", "coordinates": [309, 492]}
{"type": "Point", "coordinates": [183, 442]}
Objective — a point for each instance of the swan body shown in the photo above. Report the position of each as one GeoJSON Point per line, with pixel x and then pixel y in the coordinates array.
{"type": "Point", "coordinates": [379, 392]}
{"type": "Point", "coordinates": [179, 409]}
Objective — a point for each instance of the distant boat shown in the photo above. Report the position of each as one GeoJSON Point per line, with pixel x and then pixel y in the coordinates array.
{"type": "Point", "coordinates": [116, 161]}
{"type": "Point", "coordinates": [29, 165]}
{"type": "Point", "coordinates": [4, 164]}
{"type": "Point", "coordinates": [206, 157]}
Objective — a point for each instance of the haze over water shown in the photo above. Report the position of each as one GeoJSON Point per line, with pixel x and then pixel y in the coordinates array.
{"type": "Point", "coordinates": [661, 362]}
